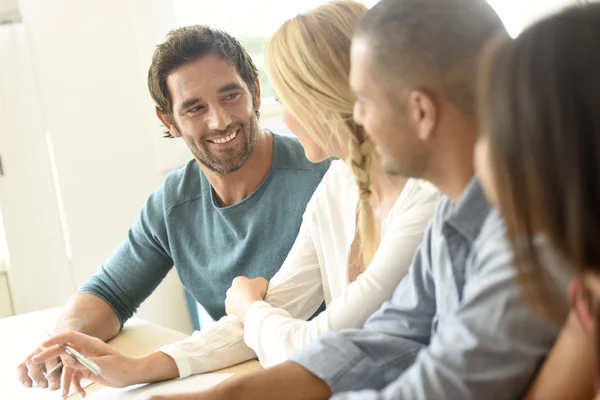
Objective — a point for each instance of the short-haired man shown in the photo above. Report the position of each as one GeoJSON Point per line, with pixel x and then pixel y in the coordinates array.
{"type": "Point", "coordinates": [234, 210]}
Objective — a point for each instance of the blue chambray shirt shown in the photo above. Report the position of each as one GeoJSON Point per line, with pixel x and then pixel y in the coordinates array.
{"type": "Point", "coordinates": [455, 328]}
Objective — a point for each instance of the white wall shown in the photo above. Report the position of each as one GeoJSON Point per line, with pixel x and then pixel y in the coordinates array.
{"type": "Point", "coordinates": [87, 88]}
{"type": "Point", "coordinates": [518, 14]}
{"type": "Point", "coordinates": [38, 261]}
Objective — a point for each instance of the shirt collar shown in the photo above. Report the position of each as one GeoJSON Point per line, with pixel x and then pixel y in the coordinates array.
{"type": "Point", "coordinates": [470, 211]}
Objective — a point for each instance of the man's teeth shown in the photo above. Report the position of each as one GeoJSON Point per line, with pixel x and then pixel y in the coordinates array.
{"type": "Point", "coordinates": [225, 139]}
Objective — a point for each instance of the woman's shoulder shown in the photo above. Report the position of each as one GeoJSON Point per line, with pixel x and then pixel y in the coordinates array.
{"type": "Point", "coordinates": [416, 193]}
{"type": "Point", "coordinates": [337, 189]}
{"type": "Point", "coordinates": [422, 187]}
{"type": "Point", "coordinates": [339, 178]}
{"type": "Point", "coordinates": [414, 208]}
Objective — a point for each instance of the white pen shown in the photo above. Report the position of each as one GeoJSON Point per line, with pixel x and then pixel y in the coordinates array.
{"type": "Point", "coordinates": [53, 370]}
{"type": "Point", "coordinates": [89, 364]}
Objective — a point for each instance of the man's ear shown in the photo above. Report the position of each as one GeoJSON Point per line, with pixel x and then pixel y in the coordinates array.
{"type": "Point", "coordinates": [423, 112]}
{"type": "Point", "coordinates": [168, 122]}
{"type": "Point", "coordinates": [580, 304]}
{"type": "Point", "coordinates": [256, 86]}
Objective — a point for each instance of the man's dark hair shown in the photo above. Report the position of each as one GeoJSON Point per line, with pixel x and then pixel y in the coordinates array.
{"type": "Point", "coordinates": [431, 45]}
{"type": "Point", "coordinates": [190, 43]}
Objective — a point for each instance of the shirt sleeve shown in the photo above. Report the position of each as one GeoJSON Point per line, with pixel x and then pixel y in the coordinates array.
{"type": "Point", "coordinates": [372, 357]}
{"type": "Point", "coordinates": [217, 346]}
{"type": "Point", "coordinates": [138, 265]}
{"type": "Point", "coordinates": [492, 344]}
{"type": "Point", "coordinates": [276, 329]}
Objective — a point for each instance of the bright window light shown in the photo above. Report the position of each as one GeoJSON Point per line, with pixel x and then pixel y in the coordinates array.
{"type": "Point", "coordinates": [252, 25]}
{"type": "Point", "coordinates": [247, 21]}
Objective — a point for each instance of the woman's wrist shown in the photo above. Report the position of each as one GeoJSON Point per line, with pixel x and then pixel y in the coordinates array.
{"type": "Point", "coordinates": [154, 367]}
{"type": "Point", "coordinates": [245, 308]}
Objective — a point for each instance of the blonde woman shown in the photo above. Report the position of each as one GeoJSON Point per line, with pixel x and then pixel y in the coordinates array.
{"type": "Point", "coordinates": [357, 239]}
{"type": "Point", "coordinates": [353, 270]}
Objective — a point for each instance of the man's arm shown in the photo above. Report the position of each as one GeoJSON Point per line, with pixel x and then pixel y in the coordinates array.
{"type": "Point", "coordinates": [89, 314]}
{"type": "Point", "coordinates": [491, 346]}
{"type": "Point", "coordinates": [113, 294]}
{"type": "Point", "coordinates": [138, 265]}
{"type": "Point", "coordinates": [286, 381]}
{"type": "Point", "coordinates": [84, 313]}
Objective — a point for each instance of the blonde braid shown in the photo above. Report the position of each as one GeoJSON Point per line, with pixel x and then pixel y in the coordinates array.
{"type": "Point", "coordinates": [359, 159]}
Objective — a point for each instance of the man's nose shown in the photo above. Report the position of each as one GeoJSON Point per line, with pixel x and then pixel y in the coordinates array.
{"type": "Point", "coordinates": [218, 118]}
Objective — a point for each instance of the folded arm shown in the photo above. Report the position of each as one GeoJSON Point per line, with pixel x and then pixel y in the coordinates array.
{"type": "Point", "coordinates": [493, 343]}
{"type": "Point", "coordinates": [277, 327]}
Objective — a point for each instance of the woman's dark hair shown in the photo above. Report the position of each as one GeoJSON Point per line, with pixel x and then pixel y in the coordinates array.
{"type": "Point", "coordinates": [540, 109]}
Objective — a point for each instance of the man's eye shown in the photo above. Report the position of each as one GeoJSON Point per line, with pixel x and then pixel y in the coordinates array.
{"type": "Point", "coordinates": [195, 109]}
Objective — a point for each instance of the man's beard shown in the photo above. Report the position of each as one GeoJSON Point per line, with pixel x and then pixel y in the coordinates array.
{"type": "Point", "coordinates": [389, 166]}
{"type": "Point", "coordinates": [414, 164]}
{"type": "Point", "coordinates": [230, 159]}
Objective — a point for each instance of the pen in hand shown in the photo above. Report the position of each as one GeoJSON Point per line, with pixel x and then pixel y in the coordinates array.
{"type": "Point", "coordinates": [54, 370]}
{"type": "Point", "coordinates": [89, 364]}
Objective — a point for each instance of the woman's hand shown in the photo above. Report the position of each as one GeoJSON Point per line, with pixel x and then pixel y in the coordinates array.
{"type": "Point", "coordinates": [243, 293]}
{"type": "Point", "coordinates": [117, 369]}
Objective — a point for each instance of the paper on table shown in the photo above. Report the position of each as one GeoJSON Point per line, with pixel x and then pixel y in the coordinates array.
{"type": "Point", "coordinates": [193, 383]}
{"type": "Point", "coordinates": [12, 389]}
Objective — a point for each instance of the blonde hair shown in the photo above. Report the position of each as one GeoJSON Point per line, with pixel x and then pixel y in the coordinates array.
{"type": "Point", "coordinates": [308, 62]}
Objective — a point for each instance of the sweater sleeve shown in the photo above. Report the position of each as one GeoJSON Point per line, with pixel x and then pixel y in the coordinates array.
{"type": "Point", "coordinates": [138, 265]}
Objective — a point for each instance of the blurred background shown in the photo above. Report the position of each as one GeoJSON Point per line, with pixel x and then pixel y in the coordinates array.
{"type": "Point", "coordinates": [80, 145]}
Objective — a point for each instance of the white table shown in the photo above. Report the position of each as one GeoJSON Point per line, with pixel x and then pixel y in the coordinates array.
{"type": "Point", "coordinates": [21, 334]}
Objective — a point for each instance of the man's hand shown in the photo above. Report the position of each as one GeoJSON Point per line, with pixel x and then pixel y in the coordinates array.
{"type": "Point", "coordinates": [31, 373]}
{"type": "Point", "coordinates": [242, 293]}
{"type": "Point", "coordinates": [285, 381]}
{"type": "Point", "coordinates": [85, 313]}
{"type": "Point", "coordinates": [117, 369]}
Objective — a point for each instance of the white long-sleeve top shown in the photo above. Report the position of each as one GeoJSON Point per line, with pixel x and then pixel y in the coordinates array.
{"type": "Point", "coordinates": [316, 270]}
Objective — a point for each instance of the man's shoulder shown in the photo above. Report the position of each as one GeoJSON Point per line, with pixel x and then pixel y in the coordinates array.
{"type": "Point", "coordinates": [468, 215]}
{"type": "Point", "coordinates": [337, 188]}
{"type": "Point", "coordinates": [289, 155]}
{"type": "Point", "coordinates": [492, 249]}
{"type": "Point", "coordinates": [443, 209]}
{"type": "Point", "coordinates": [182, 185]}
